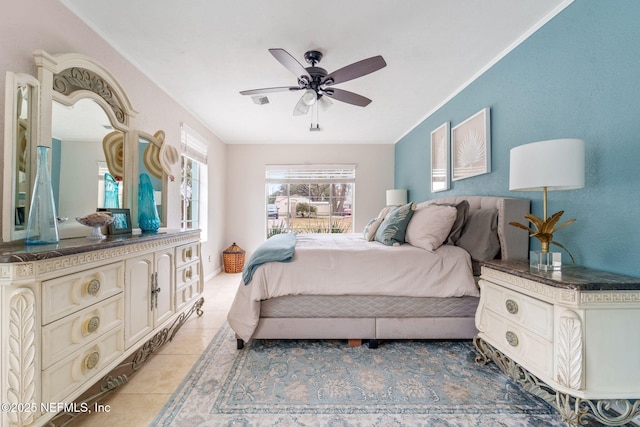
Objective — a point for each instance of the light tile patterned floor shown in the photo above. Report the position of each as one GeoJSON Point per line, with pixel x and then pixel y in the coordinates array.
{"type": "Point", "coordinates": [139, 401]}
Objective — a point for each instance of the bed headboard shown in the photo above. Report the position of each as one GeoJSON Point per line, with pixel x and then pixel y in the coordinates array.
{"type": "Point", "coordinates": [514, 242]}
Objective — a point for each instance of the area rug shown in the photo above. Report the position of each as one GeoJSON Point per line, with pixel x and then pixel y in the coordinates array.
{"type": "Point", "coordinates": [328, 383]}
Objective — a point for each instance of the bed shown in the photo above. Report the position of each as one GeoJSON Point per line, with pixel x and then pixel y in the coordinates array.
{"type": "Point", "coordinates": [343, 286]}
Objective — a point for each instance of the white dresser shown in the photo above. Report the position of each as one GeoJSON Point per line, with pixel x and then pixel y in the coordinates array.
{"type": "Point", "coordinates": [571, 337]}
{"type": "Point", "coordinates": [74, 312]}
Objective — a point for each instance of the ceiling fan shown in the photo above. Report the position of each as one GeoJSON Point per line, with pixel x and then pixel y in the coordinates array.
{"type": "Point", "coordinates": [317, 83]}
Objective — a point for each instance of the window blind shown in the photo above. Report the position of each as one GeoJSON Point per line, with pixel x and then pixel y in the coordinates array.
{"type": "Point", "coordinates": [193, 145]}
{"type": "Point", "coordinates": [316, 173]}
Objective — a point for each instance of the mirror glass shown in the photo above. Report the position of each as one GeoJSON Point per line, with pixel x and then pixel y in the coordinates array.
{"type": "Point", "coordinates": [22, 159]}
{"type": "Point", "coordinates": [148, 163]}
{"type": "Point", "coordinates": [81, 175]}
{"type": "Point", "coordinates": [21, 122]}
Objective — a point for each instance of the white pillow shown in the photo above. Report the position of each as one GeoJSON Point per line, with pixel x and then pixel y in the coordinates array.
{"type": "Point", "coordinates": [372, 226]}
{"type": "Point", "coordinates": [430, 226]}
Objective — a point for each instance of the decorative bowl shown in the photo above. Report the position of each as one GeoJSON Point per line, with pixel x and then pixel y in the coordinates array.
{"type": "Point", "coordinates": [96, 220]}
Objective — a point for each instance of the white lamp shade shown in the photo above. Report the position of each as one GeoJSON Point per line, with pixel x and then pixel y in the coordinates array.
{"type": "Point", "coordinates": [396, 197]}
{"type": "Point", "coordinates": [557, 164]}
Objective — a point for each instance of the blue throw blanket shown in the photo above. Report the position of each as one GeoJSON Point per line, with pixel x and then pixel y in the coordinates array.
{"type": "Point", "coordinates": [279, 247]}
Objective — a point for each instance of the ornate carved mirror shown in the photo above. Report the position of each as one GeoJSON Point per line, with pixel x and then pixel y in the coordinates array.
{"type": "Point", "coordinates": [20, 138]}
{"type": "Point", "coordinates": [85, 119]}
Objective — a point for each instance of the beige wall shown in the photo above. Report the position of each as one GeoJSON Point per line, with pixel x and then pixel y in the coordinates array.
{"type": "Point", "coordinates": [26, 26]}
{"type": "Point", "coordinates": [246, 182]}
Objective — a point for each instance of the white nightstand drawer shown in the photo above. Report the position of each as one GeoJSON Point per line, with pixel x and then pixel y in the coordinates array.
{"type": "Point", "coordinates": [524, 347]}
{"type": "Point", "coordinates": [64, 295]}
{"type": "Point", "coordinates": [529, 313]}
{"type": "Point", "coordinates": [64, 377]}
{"type": "Point", "coordinates": [68, 334]}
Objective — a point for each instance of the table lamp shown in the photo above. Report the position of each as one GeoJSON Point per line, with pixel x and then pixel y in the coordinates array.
{"type": "Point", "coordinates": [552, 165]}
{"type": "Point", "coordinates": [396, 197]}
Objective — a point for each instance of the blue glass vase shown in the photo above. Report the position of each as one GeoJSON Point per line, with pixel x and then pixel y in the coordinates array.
{"type": "Point", "coordinates": [148, 219]}
{"type": "Point", "coordinates": [110, 192]}
{"type": "Point", "coordinates": [42, 227]}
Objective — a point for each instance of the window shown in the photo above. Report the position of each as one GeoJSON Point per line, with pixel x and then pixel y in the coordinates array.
{"type": "Point", "coordinates": [309, 198]}
{"type": "Point", "coordinates": [193, 181]}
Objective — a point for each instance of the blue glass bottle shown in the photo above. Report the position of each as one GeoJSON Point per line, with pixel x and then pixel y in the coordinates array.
{"type": "Point", "coordinates": [148, 219]}
{"type": "Point", "coordinates": [42, 227]}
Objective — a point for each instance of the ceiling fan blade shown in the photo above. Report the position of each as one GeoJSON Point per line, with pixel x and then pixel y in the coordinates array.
{"type": "Point", "coordinates": [346, 96]}
{"type": "Point", "coordinates": [290, 63]}
{"type": "Point", "coordinates": [355, 70]}
{"type": "Point", "coordinates": [301, 107]}
{"type": "Point", "coordinates": [268, 90]}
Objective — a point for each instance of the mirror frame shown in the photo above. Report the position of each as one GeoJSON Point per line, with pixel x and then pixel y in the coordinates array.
{"type": "Point", "coordinates": [13, 82]}
{"type": "Point", "coordinates": [69, 77]}
{"type": "Point", "coordinates": [136, 160]}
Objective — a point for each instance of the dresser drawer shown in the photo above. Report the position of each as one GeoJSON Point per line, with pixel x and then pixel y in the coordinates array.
{"type": "Point", "coordinates": [64, 295]}
{"type": "Point", "coordinates": [529, 313]}
{"type": "Point", "coordinates": [187, 253]}
{"type": "Point", "coordinates": [186, 294]}
{"type": "Point", "coordinates": [521, 345]}
{"type": "Point", "coordinates": [64, 377]}
{"type": "Point", "coordinates": [187, 273]}
{"type": "Point", "coordinates": [68, 334]}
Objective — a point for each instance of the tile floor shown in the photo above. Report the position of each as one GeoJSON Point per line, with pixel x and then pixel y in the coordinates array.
{"type": "Point", "coordinates": [139, 401]}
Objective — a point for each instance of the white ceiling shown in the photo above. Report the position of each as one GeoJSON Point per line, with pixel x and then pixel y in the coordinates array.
{"type": "Point", "coordinates": [203, 52]}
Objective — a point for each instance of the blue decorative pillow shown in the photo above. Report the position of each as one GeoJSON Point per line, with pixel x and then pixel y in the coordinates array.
{"type": "Point", "coordinates": [392, 230]}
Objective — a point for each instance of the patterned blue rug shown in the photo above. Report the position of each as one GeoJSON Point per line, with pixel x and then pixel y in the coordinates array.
{"type": "Point", "coordinates": [328, 383]}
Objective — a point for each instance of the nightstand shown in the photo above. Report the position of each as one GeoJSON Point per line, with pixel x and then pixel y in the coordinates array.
{"type": "Point", "coordinates": [571, 337]}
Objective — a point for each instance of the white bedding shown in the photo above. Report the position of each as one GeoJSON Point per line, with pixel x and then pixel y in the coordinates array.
{"type": "Point", "coordinates": [347, 264]}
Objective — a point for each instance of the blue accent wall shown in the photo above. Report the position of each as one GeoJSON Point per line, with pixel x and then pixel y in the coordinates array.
{"type": "Point", "coordinates": [576, 77]}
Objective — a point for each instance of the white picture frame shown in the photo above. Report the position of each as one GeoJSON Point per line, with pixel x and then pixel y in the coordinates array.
{"type": "Point", "coordinates": [440, 158]}
{"type": "Point", "coordinates": [471, 146]}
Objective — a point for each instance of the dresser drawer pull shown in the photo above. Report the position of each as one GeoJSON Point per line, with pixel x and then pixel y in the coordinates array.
{"type": "Point", "coordinates": [512, 339]}
{"type": "Point", "coordinates": [188, 253]}
{"type": "Point", "coordinates": [91, 360]}
{"type": "Point", "coordinates": [187, 273]}
{"type": "Point", "coordinates": [93, 287]}
{"type": "Point", "coordinates": [512, 306]}
{"type": "Point", "coordinates": [92, 324]}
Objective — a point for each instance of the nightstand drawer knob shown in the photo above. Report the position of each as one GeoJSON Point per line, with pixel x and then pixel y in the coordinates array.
{"type": "Point", "coordinates": [512, 339]}
{"type": "Point", "coordinates": [512, 306]}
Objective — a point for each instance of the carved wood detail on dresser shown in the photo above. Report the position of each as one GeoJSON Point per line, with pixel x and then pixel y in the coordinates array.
{"type": "Point", "coordinates": [68, 314]}
{"type": "Point", "coordinates": [571, 337]}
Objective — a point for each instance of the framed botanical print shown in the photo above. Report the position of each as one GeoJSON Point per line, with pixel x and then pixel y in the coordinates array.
{"type": "Point", "coordinates": [440, 158]}
{"type": "Point", "coordinates": [471, 146]}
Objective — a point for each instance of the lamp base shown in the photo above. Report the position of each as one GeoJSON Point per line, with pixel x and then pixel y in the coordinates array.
{"type": "Point", "coordinates": [545, 261]}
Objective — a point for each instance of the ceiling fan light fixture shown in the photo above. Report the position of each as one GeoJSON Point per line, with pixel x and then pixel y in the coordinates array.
{"type": "Point", "coordinates": [260, 100]}
{"type": "Point", "coordinates": [310, 97]}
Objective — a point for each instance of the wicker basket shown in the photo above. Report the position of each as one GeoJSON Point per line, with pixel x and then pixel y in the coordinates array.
{"type": "Point", "coordinates": [233, 258]}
